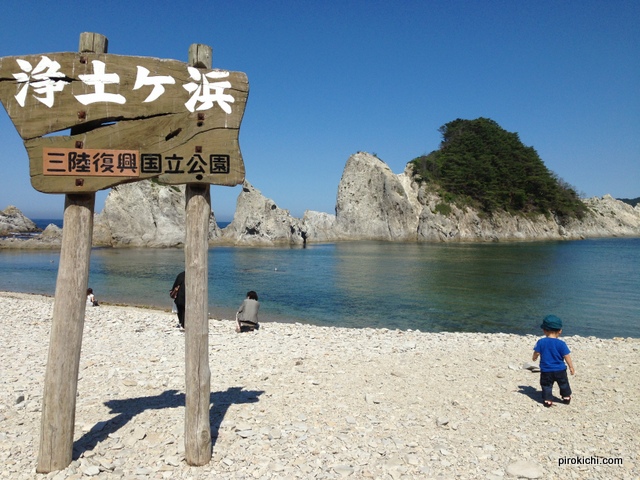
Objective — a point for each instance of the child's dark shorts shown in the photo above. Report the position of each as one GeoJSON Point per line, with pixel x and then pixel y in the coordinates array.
{"type": "Point", "coordinates": [547, 379]}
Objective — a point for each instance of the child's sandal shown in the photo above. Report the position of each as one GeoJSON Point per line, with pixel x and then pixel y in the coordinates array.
{"type": "Point", "coordinates": [566, 400]}
{"type": "Point", "coordinates": [548, 403]}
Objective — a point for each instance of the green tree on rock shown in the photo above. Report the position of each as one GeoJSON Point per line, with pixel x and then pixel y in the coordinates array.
{"type": "Point", "coordinates": [481, 164]}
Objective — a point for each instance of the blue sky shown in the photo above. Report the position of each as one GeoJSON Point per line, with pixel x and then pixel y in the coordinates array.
{"type": "Point", "coordinates": [328, 79]}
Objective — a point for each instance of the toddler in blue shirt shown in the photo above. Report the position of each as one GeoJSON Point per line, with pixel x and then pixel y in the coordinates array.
{"type": "Point", "coordinates": [553, 354]}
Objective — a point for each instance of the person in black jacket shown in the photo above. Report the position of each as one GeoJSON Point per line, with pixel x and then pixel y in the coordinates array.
{"type": "Point", "coordinates": [177, 293]}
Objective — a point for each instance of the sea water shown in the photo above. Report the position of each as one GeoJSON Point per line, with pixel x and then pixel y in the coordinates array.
{"type": "Point", "coordinates": [593, 285]}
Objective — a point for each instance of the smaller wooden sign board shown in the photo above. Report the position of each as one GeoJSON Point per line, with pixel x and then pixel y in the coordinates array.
{"type": "Point", "coordinates": [90, 162]}
{"type": "Point", "coordinates": [130, 118]}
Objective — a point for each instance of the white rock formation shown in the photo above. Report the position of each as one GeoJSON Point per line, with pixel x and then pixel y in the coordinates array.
{"type": "Point", "coordinates": [259, 221]}
{"type": "Point", "coordinates": [13, 221]}
{"type": "Point", "coordinates": [144, 214]}
{"type": "Point", "coordinates": [320, 227]}
{"type": "Point", "coordinates": [375, 204]}
{"type": "Point", "coordinates": [49, 239]}
{"type": "Point", "coordinates": [608, 218]}
{"type": "Point", "coordinates": [372, 203]}
{"type": "Point", "coordinates": [469, 225]}
{"type": "Point", "coordinates": [52, 233]}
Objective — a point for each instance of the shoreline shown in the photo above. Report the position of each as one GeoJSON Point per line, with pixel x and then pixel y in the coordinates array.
{"type": "Point", "coordinates": [228, 314]}
{"type": "Point", "coordinates": [17, 242]}
{"type": "Point", "coordinates": [264, 318]}
{"type": "Point", "coordinates": [304, 401]}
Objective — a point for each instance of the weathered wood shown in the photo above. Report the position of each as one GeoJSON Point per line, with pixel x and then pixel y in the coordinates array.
{"type": "Point", "coordinates": [36, 118]}
{"type": "Point", "coordinates": [202, 55]}
{"type": "Point", "coordinates": [198, 376]}
{"type": "Point", "coordinates": [61, 377]}
{"type": "Point", "coordinates": [67, 325]}
{"type": "Point", "coordinates": [171, 124]}
{"type": "Point", "coordinates": [93, 42]}
{"type": "Point", "coordinates": [212, 140]}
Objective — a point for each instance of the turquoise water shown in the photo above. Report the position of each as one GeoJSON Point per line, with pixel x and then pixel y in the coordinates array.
{"type": "Point", "coordinates": [593, 285]}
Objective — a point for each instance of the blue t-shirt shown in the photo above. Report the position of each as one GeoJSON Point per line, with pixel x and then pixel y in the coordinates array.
{"type": "Point", "coordinates": [552, 352]}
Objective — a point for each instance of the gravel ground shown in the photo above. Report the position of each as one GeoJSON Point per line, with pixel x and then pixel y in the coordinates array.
{"type": "Point", "coordinates": [295, 401]}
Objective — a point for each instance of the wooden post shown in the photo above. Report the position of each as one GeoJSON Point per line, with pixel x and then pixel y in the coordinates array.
{"type": "Point", "coordinates": [65, 343]}
{"type": "Point", "coordinates": [197, 427]}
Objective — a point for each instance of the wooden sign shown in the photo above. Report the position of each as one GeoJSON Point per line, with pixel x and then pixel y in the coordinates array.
{"type": "Point", "coordinates": [129, 118]}
{"type": "Point", "coordinates": [82, 162]}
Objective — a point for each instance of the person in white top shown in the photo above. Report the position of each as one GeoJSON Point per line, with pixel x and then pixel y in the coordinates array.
{"type": "Point", "coordinates": [91, 298]}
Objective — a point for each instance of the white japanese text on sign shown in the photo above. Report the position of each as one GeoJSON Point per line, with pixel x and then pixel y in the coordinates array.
{"type": "Point", "coordinates": [46, 79]}
{"type": "Point", "coordinates": [128, 118]}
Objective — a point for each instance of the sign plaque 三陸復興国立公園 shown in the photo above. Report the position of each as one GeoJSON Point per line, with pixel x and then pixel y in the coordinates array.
{"type": "Point", "coordinates": [130, 118]}
{"type": "Point", "coordinates": [127, 163]}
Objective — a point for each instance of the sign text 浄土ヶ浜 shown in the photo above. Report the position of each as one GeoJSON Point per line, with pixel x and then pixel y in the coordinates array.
{"type": "Point", "coordinates": [128, 118]}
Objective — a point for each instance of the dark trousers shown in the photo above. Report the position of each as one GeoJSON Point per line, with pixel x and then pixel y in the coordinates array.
{"type": "Point", "coordinates": [246, 326]}
{"type": "Point", "coordinates": [547, 379]}
{"type": "Point", "coordinates": [180, 314]}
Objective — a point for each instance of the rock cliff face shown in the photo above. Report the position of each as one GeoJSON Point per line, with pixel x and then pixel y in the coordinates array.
{"type": "Point", "coordinates": [608, 218]}
{"type": "Point", "coordinates": [372, 203]}
{"type": "Point", "coordinates": [144, 214]}
{"type": "Point", "coordinates": [320, 227]}
{"type": "Point", "coordinates": [13, 221]}
{"type": "Point", "coordinates": [259, 221]}
{"type": "Point", "coordinates": [468, 225]}
{"type": "Point", "coordinates": [375, 204]}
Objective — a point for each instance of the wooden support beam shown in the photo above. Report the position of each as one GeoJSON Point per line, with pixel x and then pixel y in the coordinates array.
{"type": "Point", "coordinates": [197, 434]}
{"type": "Point", "coordinates": [65, 344]}
{"type": "Point", "coordinates": [61, 377]}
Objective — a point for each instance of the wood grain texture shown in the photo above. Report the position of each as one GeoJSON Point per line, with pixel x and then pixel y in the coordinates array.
{"type": "Point", "coordinates": [67, 325]}
{"type": "Point", "coordinates": [61, 377]}
{"type": "Point", "coordinates": [163, 126]}
{"type": "Point", "coordinates": [197, 427]}
{"type": "Point", "coordinates": [197, 375]}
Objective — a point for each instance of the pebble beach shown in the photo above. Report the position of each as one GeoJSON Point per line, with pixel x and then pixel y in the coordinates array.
{"type": "Point", "coordinates": [294, 401]}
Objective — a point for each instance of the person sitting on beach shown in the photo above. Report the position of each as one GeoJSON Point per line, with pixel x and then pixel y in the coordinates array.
{"type": "Point", "coordinates": [91, 298]}
{"type": "Point", "coordinates": [247, 316]}
{"type": "Point", "coordinates": [553, 354]}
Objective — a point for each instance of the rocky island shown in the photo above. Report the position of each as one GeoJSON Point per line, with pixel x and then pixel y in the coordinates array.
{"type": "Point", "coordinates": [12, 221]}
{"type": "Point", "coordinates": [372, 203]}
